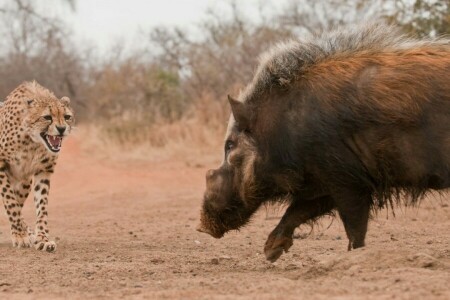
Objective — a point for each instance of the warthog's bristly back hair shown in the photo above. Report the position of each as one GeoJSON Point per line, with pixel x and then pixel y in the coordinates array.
{"type": "Point", "coordinates": [358, 81]}
{"type": "Point", "coordinates": [287, 61]}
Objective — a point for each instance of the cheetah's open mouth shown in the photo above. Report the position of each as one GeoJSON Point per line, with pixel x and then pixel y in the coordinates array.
{"type": "Point", "coordinates": [53, 142]}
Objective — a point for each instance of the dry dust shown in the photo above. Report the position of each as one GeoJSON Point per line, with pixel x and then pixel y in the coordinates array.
{"type": "Point", "coordinates": [128, 231]}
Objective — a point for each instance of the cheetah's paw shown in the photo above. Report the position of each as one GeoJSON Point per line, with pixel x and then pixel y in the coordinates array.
{"type": "Point", "coordinates": [42, 243]}
{"type": "Point", "coordinates": [49, 246]}
{"type": "Point", "coordinates": [20, 239]}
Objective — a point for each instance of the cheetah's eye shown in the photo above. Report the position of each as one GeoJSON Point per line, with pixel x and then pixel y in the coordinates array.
{"type": "Point", "coordinates": [47, 117]}
{"type": "Point", "coordinates": [67, 117]}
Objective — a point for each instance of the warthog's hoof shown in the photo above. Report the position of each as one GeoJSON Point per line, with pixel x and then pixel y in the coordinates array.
{"type": "Point", "coordinates": [275, 245]}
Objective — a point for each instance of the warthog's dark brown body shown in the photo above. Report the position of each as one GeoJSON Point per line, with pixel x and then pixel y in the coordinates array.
{"type": "Point", "coordinates": [348, 122]}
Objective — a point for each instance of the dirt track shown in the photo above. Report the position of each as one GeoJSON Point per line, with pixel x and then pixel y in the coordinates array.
{"type": "Point", "coordinates": [129, 231]}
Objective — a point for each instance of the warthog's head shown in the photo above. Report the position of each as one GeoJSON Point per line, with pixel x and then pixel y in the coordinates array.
{"type": "Point", "coordinates": [238, 187]}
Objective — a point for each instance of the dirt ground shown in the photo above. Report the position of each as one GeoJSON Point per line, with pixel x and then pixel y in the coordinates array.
{"type": "Point", "coordinates": [127, 230]}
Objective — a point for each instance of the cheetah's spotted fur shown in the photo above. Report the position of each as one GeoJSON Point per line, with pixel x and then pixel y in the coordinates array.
{"type": "Point", "coordinates": [33, 124]}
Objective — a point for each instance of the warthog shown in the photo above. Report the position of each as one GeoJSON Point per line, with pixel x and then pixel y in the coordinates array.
{"type": "Point", "coordinates": [349, 121]}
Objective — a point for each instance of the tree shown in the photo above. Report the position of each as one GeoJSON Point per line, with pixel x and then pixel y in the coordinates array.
{"type": "Point", "coordinates": [35, 46]}
{"type": "Point", "coordinates": [422, 17]}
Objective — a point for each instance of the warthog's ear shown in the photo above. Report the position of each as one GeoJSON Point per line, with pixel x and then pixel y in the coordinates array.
{"type": "Point", "coordinates": [240, 112]}
{"type": "Point", "coordinates": [65, 100]}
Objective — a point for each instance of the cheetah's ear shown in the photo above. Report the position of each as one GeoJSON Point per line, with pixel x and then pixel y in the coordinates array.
{"type": "Point", "coordinates": [65, 100]}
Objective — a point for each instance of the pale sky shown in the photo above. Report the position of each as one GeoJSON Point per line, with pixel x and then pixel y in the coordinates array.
{"type": "Point", "coordinates": [104, 22]}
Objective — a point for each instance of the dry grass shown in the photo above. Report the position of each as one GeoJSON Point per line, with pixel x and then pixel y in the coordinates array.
{"type": "Point", "coordinates": [196, 139]}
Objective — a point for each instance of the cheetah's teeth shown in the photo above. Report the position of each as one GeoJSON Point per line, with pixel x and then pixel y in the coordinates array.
{"type": "Point", "coordinates": [53, 141]}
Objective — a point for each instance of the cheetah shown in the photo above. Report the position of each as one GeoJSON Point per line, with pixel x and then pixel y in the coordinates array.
{"type": "Point", "coordinates": [33, 125]}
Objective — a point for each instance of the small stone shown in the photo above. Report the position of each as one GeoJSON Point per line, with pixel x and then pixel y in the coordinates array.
{"type": "Point", "coordinates": [427, 264]}
{"type": "Point", "coordinates": [422, 260]}
{"type": "Point", "coordinates": [157, 260]}
{"type": "Point", "coordinates": [300, 236]}
{"type": "Point", "coordinates": [197, 242]}
{"type": "Point", "coordinates": [214, 261]}
{"type": "Point", "coordinates": [429, 242]}
{"type": "Point", "coordinates": [354, 269]}
{"type": "Point", "coordinates": [291, 267]}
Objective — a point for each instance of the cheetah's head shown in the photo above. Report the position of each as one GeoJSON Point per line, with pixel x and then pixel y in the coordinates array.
{"type": "Point", "coordinates": [49, 120]}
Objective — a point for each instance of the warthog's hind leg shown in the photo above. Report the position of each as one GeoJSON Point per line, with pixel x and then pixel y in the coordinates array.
{"type": "Point", "coordinates": [354, 211]}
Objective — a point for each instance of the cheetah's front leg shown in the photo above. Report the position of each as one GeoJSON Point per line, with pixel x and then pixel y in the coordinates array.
{"type": "Point", "coordinates": [41, 191]}
{"type": "Point", "coordinates": [13, 206]}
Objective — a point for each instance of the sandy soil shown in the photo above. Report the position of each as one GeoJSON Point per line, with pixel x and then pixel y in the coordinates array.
{"type": "Point", "coordinates": [128, 231]}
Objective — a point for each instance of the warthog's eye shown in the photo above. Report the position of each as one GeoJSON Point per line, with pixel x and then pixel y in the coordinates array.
{"type": "Point", "coordinates": [47, 117]}
{"type": "Point", "coordinates": [67, 117]}
{"type": "Point", "coordinates": [229, 145]}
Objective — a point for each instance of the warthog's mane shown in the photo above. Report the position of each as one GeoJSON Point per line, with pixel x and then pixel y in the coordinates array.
{"type": "Point", "coordinates": [287, 61]}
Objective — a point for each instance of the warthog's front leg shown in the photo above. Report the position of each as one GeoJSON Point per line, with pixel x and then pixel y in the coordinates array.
{"type": "Point", "coordinates": [299, 212]}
